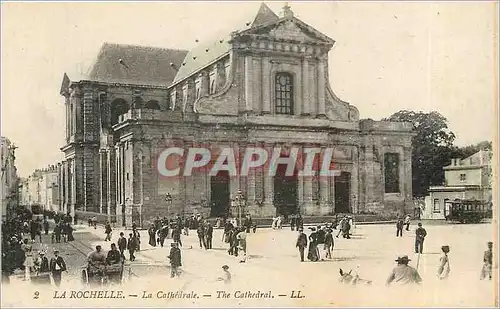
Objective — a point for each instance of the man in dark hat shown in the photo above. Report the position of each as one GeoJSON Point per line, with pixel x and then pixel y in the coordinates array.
{"type": "Point", "coordinates": [420, 234]}
{"type": "Point", "coordinates": [301, 243]}
{"type": "Point", "coordinates": [57, 266]}
{"type": "Point", "coordinates": [328, 244]}
{"type": "Point", "coordinates": [399, 227]}
{"type": "Point", "coordinates": [403, 273]}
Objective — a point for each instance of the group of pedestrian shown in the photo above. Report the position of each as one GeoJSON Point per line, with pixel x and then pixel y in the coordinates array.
{"type": "Point", "coordinates": [400, 224]}
{"type": "Point", "coordinates": [236, 238]}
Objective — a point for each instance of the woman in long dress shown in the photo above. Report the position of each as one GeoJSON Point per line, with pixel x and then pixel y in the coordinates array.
{"type": "Point", "coordinates": [444, 264]}
{"type": "Point", "coordinates": [313, 254]}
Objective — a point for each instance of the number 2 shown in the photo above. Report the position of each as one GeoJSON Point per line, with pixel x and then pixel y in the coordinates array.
{"type": "Point", "coordinates": [37, 295]}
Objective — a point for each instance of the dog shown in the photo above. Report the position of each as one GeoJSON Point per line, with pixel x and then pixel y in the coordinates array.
{"type": "Point", "coordinates": [349, 278]}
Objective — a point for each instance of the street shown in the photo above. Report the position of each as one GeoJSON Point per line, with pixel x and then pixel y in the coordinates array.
{"type": "Point", "coordinates": [274, 265]}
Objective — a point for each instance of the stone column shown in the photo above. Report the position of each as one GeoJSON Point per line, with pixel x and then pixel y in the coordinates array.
{"type": "Point", "coordinates": [308, 195]}
{"type": "Point", "coordinates": [266, 85]}
{"type": "Point", "coordinates": [300, 184]}
{"type": "Point", "coordinates": [355, 180]}
{"type": "Point", "coordinates": [66, 99]}
{"type": "Point", "coordinates": [306, 110]}
{"type": "Point", "coordinates": [249, 97]}
{"type": "Point", "coordinates": [103, 161]}
{"type": "Point", "coordinates": [321, 89]}
{"type": "Point", "coordinates": [332, 193]}
{"type": "Point", "coordinates": [111, 173]}
{"type": "Point", "coordinates": [257, 85]}
{"type": "Point", "coordinates": [73, 189]}
{"type": "Point", "coordinates": [136, 178]}
{"type": "Point", "coordinates": [407, 178]}
{"type": "Point", "coordinates": [268, 208]}
{"type": "Point", "coordinates": [323, 191]}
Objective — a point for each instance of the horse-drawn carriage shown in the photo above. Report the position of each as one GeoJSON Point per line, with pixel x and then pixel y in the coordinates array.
{"type": "Point", "coordinates": [102, 275]}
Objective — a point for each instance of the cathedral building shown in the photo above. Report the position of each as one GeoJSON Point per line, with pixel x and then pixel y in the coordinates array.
{"type": "Point", "coordinates": [264, 85]}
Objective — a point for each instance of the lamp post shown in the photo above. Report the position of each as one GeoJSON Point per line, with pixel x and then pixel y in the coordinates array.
{"type": "Point", "coordinates": [168, 199]}
{"type": "Point", "coordinates": [239, 201]}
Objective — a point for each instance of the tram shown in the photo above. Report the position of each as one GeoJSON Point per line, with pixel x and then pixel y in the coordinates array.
{"type": "Point", "coordinates": [467, 211]}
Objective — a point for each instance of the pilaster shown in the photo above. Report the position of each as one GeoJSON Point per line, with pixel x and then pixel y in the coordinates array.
{"type": "Point", "coordinates": [305, 88]}
{"type": "Point", "coordinates": [321, 112]}
{"type": "Point", "coordinates": [266, 85]}
{"type": "Point", "coordinates": [268, 208]}
{"type": "Point", "coordinates": [249, 83]}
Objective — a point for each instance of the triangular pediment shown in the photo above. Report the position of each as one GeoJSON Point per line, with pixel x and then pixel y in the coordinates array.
{"type": "Point", "coordinates": [289, 29]}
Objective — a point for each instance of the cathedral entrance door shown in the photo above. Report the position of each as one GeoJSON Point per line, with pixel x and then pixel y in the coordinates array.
{"type": "Point", "coordinates": [220, 194]}
{"type": "Point", "coordinates": [285, 192]}
{"type": "Point", "coordinates": [342, 193]}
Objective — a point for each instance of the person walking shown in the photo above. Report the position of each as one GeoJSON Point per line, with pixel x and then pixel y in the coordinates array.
{"type": "Point", "coordinates": [122, 245]}
{"type": "Point", "coordinates": [175, 260]}
{"type": "Point", "coordinates": [46, 226]}
{"type": "Point", "coordinates": [486, 271]}
{"type": "Point", "coordinates": [42, 263]}
{"type": "Point", "coordinates": [313, 254]}
{"type": "Point", "coordinates": [403, 273]}
{"type": "Point", "coordinates": [176, 235]}
{"type": "Point", "coordinates": [201, 236]}
{"type": "Point", "coordinates": [301, 243]}
{"type": "Point", "coordinates": [131, 246]}
{"type": "Point", "coordinates": [420, 234]}
{"type": "Point", "coordinates": [209, 232]}
{"type": "Point", "coordinates": [399, 227]}
{"type": "Point", "coordinates": [444, 264]}
{"type": "Point", "coordinates": [242, 242]}
{"type": "Point", "coordinates": [108, 231]}
{"type": "Point", "coordinates": [328, 244]}
{"type": "Point", "coordinates": [57, 266]}
{"type": "Point", "coordinates": [27, 249]}
{"type": "Point", "coordinates": [407, 222]}
{"type": "Point", "coordinates": [152, 235]}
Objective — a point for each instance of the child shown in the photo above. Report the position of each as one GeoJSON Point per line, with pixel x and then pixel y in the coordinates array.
{"type": "Point", "coordinates": [226, 277]}
{"type": "Point", "coordinates": [444, 266]}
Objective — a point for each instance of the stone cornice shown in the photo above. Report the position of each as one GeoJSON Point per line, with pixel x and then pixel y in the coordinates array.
{"type": "Point", "coordinates": [117, 84]}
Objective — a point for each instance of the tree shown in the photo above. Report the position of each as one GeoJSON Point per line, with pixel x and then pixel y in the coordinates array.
{"type": "Point", "coordinates": [432, 148]}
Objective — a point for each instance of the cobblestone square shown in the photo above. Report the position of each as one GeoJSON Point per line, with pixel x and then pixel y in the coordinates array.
{"type": "Point", "coordinates": [273, 268]}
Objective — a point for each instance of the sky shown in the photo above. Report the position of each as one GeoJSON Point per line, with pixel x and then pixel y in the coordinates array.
{"type": "Point", "coordinates": [388, 56]}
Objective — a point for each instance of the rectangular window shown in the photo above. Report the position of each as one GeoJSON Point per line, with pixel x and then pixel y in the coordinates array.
{"type": "Point", "coordinates": [284, 94]}
{"type": "Point", "coordinates": [436, 207]}
{"type": "Point", "coordinates": [463, 177]}
{"type": "Point", "coordinates": [391, 172]}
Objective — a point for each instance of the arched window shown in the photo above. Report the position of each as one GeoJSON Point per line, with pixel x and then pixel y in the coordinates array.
{"type": "Point", "coordinates": [284, 94]}
{"type": "Point", "coordinates": [153, 104]}
{"type": "Point", "coordinates": [118, 108]}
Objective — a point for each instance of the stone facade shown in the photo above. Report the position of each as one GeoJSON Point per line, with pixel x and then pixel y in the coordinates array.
{"type": "Point", "coordinates": [41, 189]}
{"type": "Point", "coordinates": [223, 93]}
{"type": "Point", "coordinates": [9, 180]}
{"type": "Point", "coordinates": [468, 179]}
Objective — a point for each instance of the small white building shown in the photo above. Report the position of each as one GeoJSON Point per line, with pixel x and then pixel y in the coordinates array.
{"type": "Point", "coordinates": [468, 178]}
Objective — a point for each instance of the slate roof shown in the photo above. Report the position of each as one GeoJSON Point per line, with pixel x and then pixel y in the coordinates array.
{"type": "Point", "coordinates": [140, 64]}
{"type": "Point", "coordinates": [264, 15]}
{"type": "Point", "coordinates": [206, 53]}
